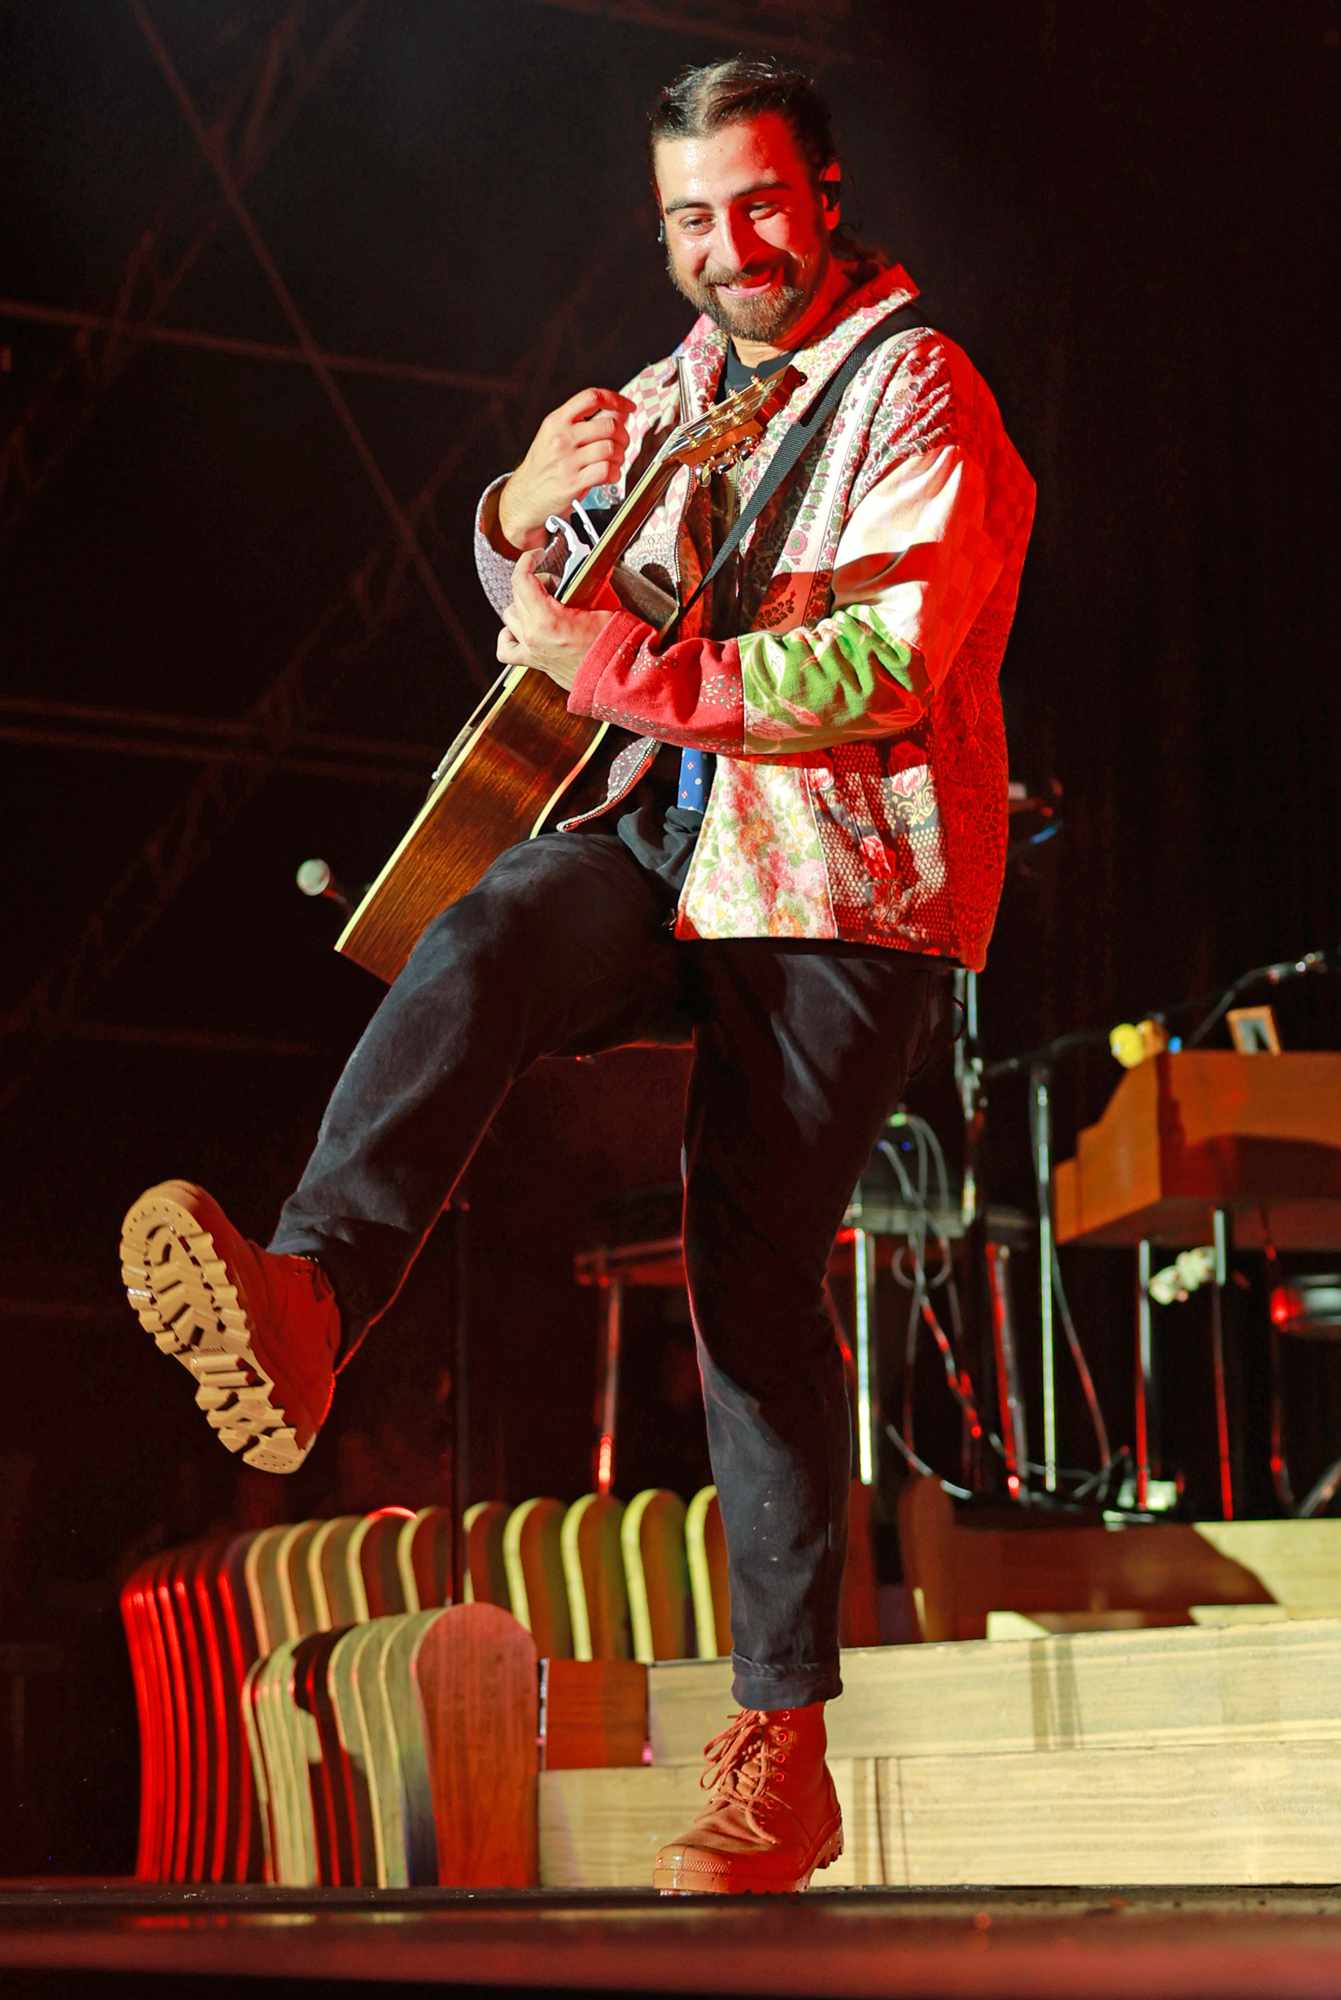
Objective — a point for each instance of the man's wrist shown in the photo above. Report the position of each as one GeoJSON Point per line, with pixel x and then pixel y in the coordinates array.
{"type": "Point", "coordinates": [513, 534]}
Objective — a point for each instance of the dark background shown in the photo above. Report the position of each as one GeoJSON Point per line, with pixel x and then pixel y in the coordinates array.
{"type": "Point", "coordinates": [214, 666]}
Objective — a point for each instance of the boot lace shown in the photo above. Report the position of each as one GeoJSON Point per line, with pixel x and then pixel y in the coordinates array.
{"type": "Point", "coordinates": [742, 1762]}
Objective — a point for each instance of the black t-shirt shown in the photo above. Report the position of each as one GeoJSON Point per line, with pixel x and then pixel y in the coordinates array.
{"type": "Point", "coordinates": [657, 831]}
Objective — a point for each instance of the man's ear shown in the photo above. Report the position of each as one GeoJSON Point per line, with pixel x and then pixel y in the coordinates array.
{"type": "Point", "coordinates": [831, 194]}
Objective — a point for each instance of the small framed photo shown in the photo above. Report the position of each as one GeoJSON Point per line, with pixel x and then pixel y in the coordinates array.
{"type": "Point", "coordinates": [1253, 1030]}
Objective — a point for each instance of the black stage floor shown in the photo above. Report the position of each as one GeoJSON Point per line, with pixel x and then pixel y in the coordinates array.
{"type": "Point", "coordinates": [67, 1938]}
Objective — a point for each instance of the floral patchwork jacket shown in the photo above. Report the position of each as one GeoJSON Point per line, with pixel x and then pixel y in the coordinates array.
{"type": "Point", "coordinates": [861, 787]}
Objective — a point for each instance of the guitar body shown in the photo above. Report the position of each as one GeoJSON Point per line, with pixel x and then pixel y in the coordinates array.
{"type": "Point", "coordinates": [497, 785]}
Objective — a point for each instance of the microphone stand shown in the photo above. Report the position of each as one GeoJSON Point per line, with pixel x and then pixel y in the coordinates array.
{"type": "Point", "coordinates": [972, 1093]}
{"type": "Point", "coordinates": [1261, 975]}
{"type": "Point", "coordinates": [986, 1263]}
{"type": "Point", "coordinates": [1039, 1064]}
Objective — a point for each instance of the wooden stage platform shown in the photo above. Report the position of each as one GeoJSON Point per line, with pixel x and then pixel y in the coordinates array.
{"type": "Point", "coordinates": [1092, 1706]}
{"type": "Point", "coordinates": [1196, 1944]}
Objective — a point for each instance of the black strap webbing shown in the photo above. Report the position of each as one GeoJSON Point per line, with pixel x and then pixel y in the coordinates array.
{"type": "Point", "coordinates": [802, 433]}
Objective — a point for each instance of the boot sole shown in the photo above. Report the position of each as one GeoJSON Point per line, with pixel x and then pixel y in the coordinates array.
{"type": "Point", "coordinates": [179, 1290]}
{"type": "Point", "coordinates": [664, 1879]}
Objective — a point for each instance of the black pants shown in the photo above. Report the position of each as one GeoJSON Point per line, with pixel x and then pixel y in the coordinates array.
{"type": "Point", "coordinates": [800, 1051]}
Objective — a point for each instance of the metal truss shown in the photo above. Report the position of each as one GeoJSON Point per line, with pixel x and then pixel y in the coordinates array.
{"type": "Point", "coordinates": [576, 338]}
{"type": "Point", "coordinates": [237, 757]}
{"type": "Point", "coordinates": [251, 113]}
{"type": "Point", "coordinates": [222, 167]}
{"type": "Point", "coordinates": [185, 739]}
{"type": "Point", "coordinates": [781, 27]}
{"type": "Point", "coordinates": [132, 331]}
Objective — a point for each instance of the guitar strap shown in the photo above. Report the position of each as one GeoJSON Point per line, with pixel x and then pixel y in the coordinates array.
{"type": "Point", "coordinates": [802, 433]}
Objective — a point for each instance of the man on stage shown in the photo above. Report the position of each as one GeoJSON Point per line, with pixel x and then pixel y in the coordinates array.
{"type": "Point", "coordinates": [802, 835]}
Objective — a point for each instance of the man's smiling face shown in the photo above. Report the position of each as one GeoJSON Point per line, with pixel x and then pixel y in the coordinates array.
{"type": "Point", "coordinates": [747, 236]}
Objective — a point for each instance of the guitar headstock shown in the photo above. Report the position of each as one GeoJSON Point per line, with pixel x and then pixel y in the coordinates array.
{"type": "Point", "coordinates": [731, 430]}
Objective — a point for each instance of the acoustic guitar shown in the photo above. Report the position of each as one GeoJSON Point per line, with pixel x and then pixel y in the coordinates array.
{"type": "Point", "coordinates": [521, 750]}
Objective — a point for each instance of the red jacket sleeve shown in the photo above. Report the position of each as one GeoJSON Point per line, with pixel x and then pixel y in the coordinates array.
{"type": "Point", "coordinates": [690, 693]}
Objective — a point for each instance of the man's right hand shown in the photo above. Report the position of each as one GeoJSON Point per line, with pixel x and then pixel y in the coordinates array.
{"type": "Point", "coordinates": [580, 445]}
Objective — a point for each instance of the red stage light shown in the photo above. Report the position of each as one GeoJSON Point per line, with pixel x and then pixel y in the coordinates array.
{"type": "Point", "coordinates": [1286, 1306]}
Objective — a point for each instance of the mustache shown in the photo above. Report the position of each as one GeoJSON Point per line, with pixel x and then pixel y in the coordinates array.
{"type": "Point", "coordinates": [740, 277]}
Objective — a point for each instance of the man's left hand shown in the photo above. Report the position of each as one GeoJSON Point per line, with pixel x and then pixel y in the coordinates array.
{"type": "Point", "coordinates": [537, 632]}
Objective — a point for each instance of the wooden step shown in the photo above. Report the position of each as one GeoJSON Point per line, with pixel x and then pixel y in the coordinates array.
{"type": "Point", "coordinates": [601, 1829]}
{"type": "Point", "coordinates": [1184, 1685]}
{"type": "Point", "coordinates": [1051, 1624]}
{"type": "Point", "coordinates": [1039, 1624]}
{"type": "Point", "coordinates": [1237, 1813]}
{"type": "Point", "coordinates": [1232, 1814]}
{"type": "Point", "coordinates": [959, 1569]}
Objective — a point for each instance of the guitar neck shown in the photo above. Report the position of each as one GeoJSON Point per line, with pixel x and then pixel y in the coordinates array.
{"type": "Point", "coordinates": [707, 443]}
{"type": "Point", "coordinates": [585, 583]}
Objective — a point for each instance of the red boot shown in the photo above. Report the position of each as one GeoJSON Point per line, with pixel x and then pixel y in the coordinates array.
{"type": "Point", "coordinates": [259, 1332]}
{"type": "Point", "coordinates": [772, 1816]}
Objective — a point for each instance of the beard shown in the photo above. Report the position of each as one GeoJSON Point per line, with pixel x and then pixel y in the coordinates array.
{"type": "Point", "coordinates": [767, 317]}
